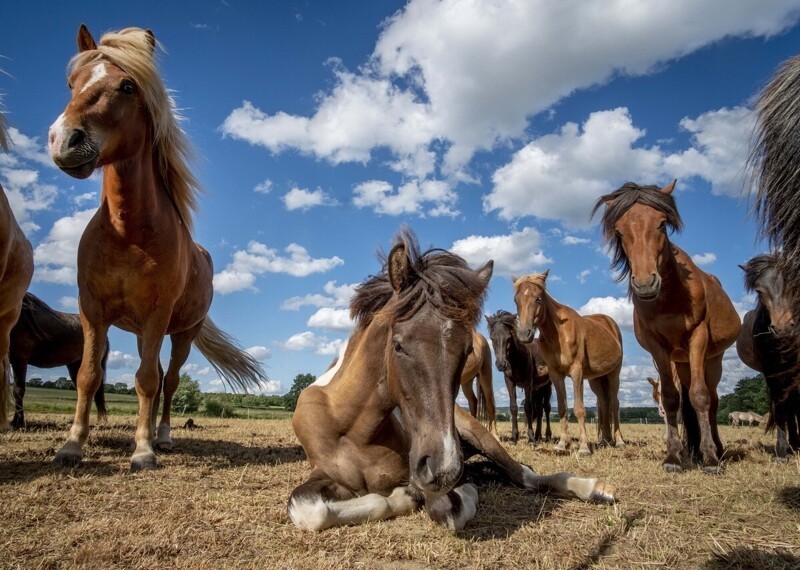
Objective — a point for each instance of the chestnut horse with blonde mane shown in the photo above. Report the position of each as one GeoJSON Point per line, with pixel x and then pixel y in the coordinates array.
{"type": "Point", "coordinates": [384, 435]}
{"type": "Point", "coordinates": [581, 347]}
{"type": "Point", "coordinates": [479, 365]}
{"type": "Point", "coordinates": [681, 314]}
{"type": "Point", "coordinates": [138, 267]}
{"type": "Point", "coordinates": [16, 271]}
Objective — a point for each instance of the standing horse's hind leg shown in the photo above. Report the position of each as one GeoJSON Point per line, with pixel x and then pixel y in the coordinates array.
{"type": "Point", "coordinates": [181, 346]}
{"type": "Point", "coordinates": [88, 382]}
{"type": "Point", "coordinates": [580, 411]}
{"type": "Point", "coordinates": [20, 369]}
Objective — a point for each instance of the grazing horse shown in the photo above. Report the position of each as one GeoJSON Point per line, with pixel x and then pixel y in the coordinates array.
{"type": "Point", "coordinates": [138, 267]}
{"type": "Point", "coordinates": [766, 343]}
{"type": "Point", "coordinates": [16, 271]}
{"type": "Point", "coordinates": [479, 365]}
{"type": "Point", "coordinates": [577, 346]}
{"type": "Point", "coordinates": [384, 435]}
{"type": "Point", "coordinates": [517, 361]}
{"type": "Point", "coordinates": [775, 168]}
{"type": "Point", "coordinates": [46, 338]}
{"type": "Point", "coordinates": [681, 315]}
{"type": "Point", "coordinates": [737, 419]}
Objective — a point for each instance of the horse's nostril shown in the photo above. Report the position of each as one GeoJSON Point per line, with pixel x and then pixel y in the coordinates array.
{"type": "Point", "coordinates": [76, 138]}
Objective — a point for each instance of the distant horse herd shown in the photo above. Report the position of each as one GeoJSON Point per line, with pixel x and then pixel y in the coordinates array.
{"type": "Point", "coordinates": [380, 428]}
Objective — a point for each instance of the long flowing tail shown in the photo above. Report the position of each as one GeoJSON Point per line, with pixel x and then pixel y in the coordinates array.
{"type": "Point", "coordinates": [487, 411]}
{"type": "Point", "coordinates": [235, 366]}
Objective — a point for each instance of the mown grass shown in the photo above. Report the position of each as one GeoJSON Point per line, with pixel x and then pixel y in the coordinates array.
{"type": "Point", "coordinates": [218, 501]}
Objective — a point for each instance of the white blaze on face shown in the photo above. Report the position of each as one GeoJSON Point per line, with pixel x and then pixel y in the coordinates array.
{"type": "Point", "coordinates": [98, 73]}
{"type": "Point", "coordinates": [450, 454]}
{"type": "Point", "coordinates": [56, 137]}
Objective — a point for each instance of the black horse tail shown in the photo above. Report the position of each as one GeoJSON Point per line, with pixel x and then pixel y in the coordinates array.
{"type": "Point", "coordinates": [691, 425]}
{"type": "Point", "coordinates": [100, 395]}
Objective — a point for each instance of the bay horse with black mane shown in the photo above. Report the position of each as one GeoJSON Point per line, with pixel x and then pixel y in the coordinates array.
{"type": "Point", "coordinates": [384, 435]}
{"type": "Point", "coordinates": [766, 343]}
{"type": "Point", "coordinates": [138, 266]}
{"type": "Point", "coordinates": [16, 271]}
{"type": "Point", "coordinates": [581, 347]}
{"type": "Point", "coordinates": [521, 369]}
{"type": "Point", "coordinates": [46, 338]}
{"type": "Point", "coordinates": [681, 314]}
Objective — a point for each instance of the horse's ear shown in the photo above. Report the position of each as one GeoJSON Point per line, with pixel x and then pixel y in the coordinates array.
{"type": "Point", "coordinates": [151, 38]}
{"type": "Point", "coordinates": [743, 267]}
{"type": "Point", "coordinates": [545, 273]}
{"type": "Point", "coordinates": [485, 272]}
{"type": "Point", "coordinates": [653, 382]}
{"type": "Point", "coordinates": [669, 187]}
{"type": "Point", "coordinates": [85, 39]}
{"type": "Point", "coordinates": [399, 267]}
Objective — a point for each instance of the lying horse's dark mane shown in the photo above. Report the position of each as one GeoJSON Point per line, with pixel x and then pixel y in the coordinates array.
{"type": "Point", "coordinates": [437, 277]}
{"type": "Point", "coordinates": [620, 201]}
{"type": "Point", "coordinates": [756, 266]}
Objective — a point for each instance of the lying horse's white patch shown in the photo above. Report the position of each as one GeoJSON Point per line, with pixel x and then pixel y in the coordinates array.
{"type": "Point", "coordinates": [331, 372]}
{"type": "Point", "coordinates": [469, 506]}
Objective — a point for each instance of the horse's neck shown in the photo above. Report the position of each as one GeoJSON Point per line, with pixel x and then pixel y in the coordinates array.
{"type": "Point", "coordinates": [551, 323]}
{"type": "Point", "coordinates": [521, 356]}
{"type": "Point", "coordinates": [672, 282]}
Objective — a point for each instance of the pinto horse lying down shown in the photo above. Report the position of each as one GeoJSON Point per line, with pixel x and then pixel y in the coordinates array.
{"type": "Point", "coordinates": [384, 435]}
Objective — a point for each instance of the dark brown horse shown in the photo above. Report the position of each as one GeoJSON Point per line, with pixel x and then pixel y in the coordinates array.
{"type": "Point", "coordinates": [47, 338]}
{"type": "Point", "coordinates": [138, 267]}
{"type": "Point", "coordinates": [581, 347]}
{"type": "Point", "coordinates": [517, 361]}
{"type": "Point", "coordinates": [384, 435]}
{"type": "Point", "coordinates": [766, 343]}
{"type": "Point", "coordinates": [681, 315]}
{"type": "Point", "coordinates": [16, 271]}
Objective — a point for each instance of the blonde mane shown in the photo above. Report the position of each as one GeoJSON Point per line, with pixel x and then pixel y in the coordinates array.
{"type": "Point", "coordinates": [537, 279]}
{"type": "Point", "coordinates": [132, 50]}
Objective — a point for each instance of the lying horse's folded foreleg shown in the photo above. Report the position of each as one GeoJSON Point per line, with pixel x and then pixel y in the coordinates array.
{"type": "Point", "coordinates": [322, 503]}
{"type": "Point", "coordinates": [560, 484]}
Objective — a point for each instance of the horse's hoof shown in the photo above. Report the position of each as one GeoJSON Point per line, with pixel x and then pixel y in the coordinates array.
{"type": "Point", "coordinates": [143, 462]}
{"type": "Point", "coordinates": [603, 493]}
{"type": "Point", "coordinates": [560, 449]}
{"type": "Point", "coordinates": [712, 470]}
{"type": "Point", "coordinates": [620, 444]}
{"type": "Point", "coordinates": [673, 468]}
{"type": "Point", "coordinates": [165, 445]}
{"type": "Point", "coordinates": [584, 451]}
{"type": "Point", "coordinates": [67, 460]}
{"type": "Point", "coordinates": [779, 460]}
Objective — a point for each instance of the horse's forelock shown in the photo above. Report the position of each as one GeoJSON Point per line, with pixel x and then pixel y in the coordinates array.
{"type": "Point", "coordinates": [754, 268]}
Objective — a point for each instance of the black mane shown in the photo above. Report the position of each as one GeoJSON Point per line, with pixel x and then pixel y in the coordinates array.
{"type": "Point", "coordinates": [756, 266]}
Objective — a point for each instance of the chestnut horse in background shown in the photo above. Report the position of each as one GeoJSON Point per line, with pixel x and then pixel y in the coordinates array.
{"type": "Point", "coordinates": [577, 346]}
{"type": "Point", "coordinates": [767, 344]}
{"type": "Point", "coordinates": [681, 315]}
{"type": "Point", "coordinates": [521, 369]}
{"type": "Point", "coordinates": [46, 338]}
{"type": "Point", "coordinates": [384, 434]}
{"type": "Point", "coordinates": [138, 267]}
{"type": "Point", "coordinates": [479, 365]}
{"type": "Point", "coordinates": [16, 271]}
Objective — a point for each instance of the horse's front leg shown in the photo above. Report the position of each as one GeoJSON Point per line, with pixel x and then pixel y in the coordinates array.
{"type": "Point", "coordinates": [88, 382]}
{"type": "Point", "coordinates": [512, 407]}
{"type": "Point", "coordinates": [529, 413]}
{"type": "Point", "coordinates": [580, 410]}
{"type": "Point", "coordinates": [700, 396]}
{"type": "Point", "coordinates": [322, 503]}
{"type": "Point", "coordinates": [472, 400]}
{"type": "Point", "coordinates": [671, 402]}
{"type": "Point", "coordinates": [561, 397]}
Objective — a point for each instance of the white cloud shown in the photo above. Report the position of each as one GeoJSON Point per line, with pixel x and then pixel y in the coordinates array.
{"type": "Point", "coordinates": [81, 199]}
{"type": "Point", "coordinates": [519, 252]}
{"type": "Point", "coordinates": [264, 187]}
{"type": "Point", "coordinates": [704, 258]}
{"type": "Point", "coordinates": [302, 199]}
{"type": "Point", "coordinates": [572, 240]}
{"type": "Point", "coordinates": [196, 369]}
{"type": "Point", "coordinates": [331, 319]}
{"type": "Point", "coordinates": [118, 359]}
{"type": "Point", "coordinates": [26, 194]}
{"type": "Point", "coordinates": [69, 303]}
{"type": "Point", "coordinates": [56, 257]}
{"type": "Point", "coordinates": [259, 352]}
{"type": "Point", "coordinates": [29, 148]}
{"type": "Point", "coordinates": [308, 341]}
{"type": "Point", "coordinates": [618, 308]}
{"type": "Point", "coordinates": [409, 198]}
{"type": "Point", "coordinates": [582, 276]}
{"type": "Point", "coordinates": [258, 259]}
{"type": "Point", "coordinates": [470, 74]}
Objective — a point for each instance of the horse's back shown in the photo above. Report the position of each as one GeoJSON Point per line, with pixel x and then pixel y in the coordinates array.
{"type": "Point", "coordinates": [603, 343]}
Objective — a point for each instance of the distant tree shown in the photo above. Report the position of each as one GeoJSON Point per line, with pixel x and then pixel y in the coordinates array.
{"type": "Point", "coordinates": [217, 408]}
{"type": "Point", "coordinates": [63, 383]}
{"type": "Point", "coordinates": [301, 381]}
{"type": "Point", "coordinates": [34, 382]}
{"type": "Point", "coordinates": [750, 395]}
{"type": "Point", "coordinates": [48, 384]}
{"type": "Point", "coordinates": [187, 397]}
{"type": "Point", "coordinates": [121, 388]}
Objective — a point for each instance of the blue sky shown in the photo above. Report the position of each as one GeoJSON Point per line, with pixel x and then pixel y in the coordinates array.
{"type": "Point", "coordinates": [488, 127]}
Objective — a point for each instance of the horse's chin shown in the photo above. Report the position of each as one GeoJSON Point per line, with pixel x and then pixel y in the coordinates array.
{"type": "Point", "coordinates": [81, 171]}
{"type": "Point", "coordinates": [647, 297]}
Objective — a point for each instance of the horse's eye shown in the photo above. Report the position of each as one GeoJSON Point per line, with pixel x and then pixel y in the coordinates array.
{"type": "Point", "coordinates": [397, 346]}
{"type": "Point", "coordinates": [539, 301]}
{"type": "Point", "coordinates": [127, 87]}
{"type": "Point", "coordinates": [663, 226]}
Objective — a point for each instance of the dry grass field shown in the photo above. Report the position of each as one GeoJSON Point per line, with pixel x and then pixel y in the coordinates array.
{"type": "Point", "coordinates": [218, 501]}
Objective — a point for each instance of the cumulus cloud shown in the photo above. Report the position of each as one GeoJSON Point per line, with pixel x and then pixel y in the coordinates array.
{"type": "Point", "coordinates": [470, 74]}
{"type": "Point", "coordinates": [618, 308]}
{"type": "Point", "coordinates": [118, 359]}
{"type": "Point", "coordinates": [264, 187]}
{"type": "Point", "coordinates": [572, 240]}
{"type": "Point", "coordinates": [56, 257]}
{"type": "Point", "coordinates": [308, 341]}
{"type": "Point", "coordinates": [68, 303]}
{"type": "Point", "coordinates": [26, 194]}
{"type": "Point", "coordinates": [258, 259]}
{"type": "Point", "coordinates": [196, 369]}
{"type": "Point", "coordinates": [431, 197]}
{"type": "Point", "coordinates": [302, 199]}
{"type": "Point", "coordinates": [519, 252]}
{"type": "Point", "coordinates": [335, 296]}
{"type": "Point", "coordinates": [583, 275]}
{"type": "Point", "coordinates": [704, 258]}
{"type": "Point", "coordinates": [331, 319]}
{"type": "Point", "coordinates": [259, 352]}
